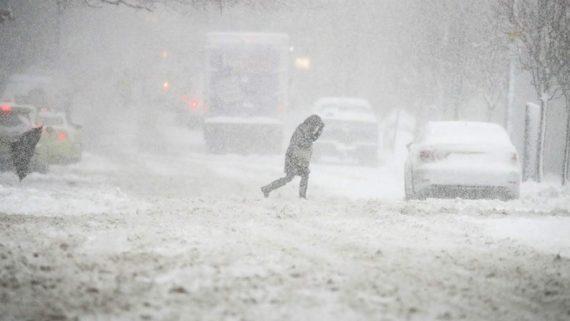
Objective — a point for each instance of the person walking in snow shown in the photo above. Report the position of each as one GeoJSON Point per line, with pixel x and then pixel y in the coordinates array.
{"type": "Point", "coordinates": [298, 156]}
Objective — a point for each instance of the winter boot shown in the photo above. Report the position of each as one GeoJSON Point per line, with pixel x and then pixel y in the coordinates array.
{"type": "Point", "coordinates": [303, 186]}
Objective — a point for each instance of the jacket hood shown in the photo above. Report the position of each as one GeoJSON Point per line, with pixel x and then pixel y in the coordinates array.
{"type": "Point", "coordinates": [312, 122]}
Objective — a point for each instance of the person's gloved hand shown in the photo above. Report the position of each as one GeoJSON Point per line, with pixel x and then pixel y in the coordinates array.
{"type": "Point", "coordinates": [318, 132]}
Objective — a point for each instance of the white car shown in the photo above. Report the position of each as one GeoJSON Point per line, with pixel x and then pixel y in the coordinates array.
{"type": "Point", "coordinates": [462, 159]}
{"type": "Point", "coordinates": [351, 130]}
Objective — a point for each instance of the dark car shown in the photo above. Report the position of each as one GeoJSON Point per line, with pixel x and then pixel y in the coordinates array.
{"type": "Point", "coordinates": [352, 130]}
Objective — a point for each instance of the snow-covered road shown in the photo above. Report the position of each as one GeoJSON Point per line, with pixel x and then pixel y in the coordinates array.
{"type": "Point", "coordinates": [182, 235]}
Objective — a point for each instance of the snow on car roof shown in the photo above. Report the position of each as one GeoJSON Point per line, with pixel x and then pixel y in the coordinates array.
{"type": "Point", "coordinates": [466, 132]}
{"type": "Point", "coordinates": [342, 108]}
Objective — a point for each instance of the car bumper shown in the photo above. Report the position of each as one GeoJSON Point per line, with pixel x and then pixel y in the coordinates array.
{"type": "Point", "coordinates": [467, 182]}
{"type": "Point", "coordinates": [60, 153]}
{"type": "Point", "coordinates": [330, 148]}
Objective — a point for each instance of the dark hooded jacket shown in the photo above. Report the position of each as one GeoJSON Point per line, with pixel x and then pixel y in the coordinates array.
{"type": "Point", "coordinates": [300, 148]}
{"type": "Point", "coordinates": [23, 151]}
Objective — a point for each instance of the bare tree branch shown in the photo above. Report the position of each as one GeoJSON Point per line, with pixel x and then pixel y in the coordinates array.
{"type": "Point", "coordinates": [144, 5]}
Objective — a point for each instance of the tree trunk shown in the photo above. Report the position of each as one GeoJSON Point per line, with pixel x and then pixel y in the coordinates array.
{"type": "Point", "coordinates": [541, 139]}
{"type": "Point", "coordinates": [566, 159]}
{"type": "Point", "coordinates": [526, 149]}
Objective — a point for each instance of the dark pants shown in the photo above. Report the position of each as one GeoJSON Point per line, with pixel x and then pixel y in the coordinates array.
{"type": "Point", "coordinates": [284, 180]}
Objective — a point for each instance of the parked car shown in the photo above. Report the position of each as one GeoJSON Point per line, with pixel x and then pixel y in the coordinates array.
{"type": "Point", "coordinates": [351, 131]}
{"type": "Point", "coordinates": [462, 159]}
{"type": "Point", "coordinates": [60, 141]}
{"type": "Point", "coordinates": [15, 121]}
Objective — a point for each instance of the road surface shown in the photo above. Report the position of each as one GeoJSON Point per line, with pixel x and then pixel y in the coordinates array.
{"type": "Point", "coordinates": [182, 235]}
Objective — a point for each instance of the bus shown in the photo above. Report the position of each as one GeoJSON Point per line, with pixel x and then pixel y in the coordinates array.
{"type": "Point", "coordinates": [246, 91]}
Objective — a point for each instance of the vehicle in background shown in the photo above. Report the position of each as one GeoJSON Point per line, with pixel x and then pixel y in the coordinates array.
{"type": "Point", "coordinates": [246, 90]}
{"type": "Point", "coordinates": [15, 121]}
{"type": "Point", "coordinates": [60, 140]}
{"type": "Point", "coordinates": [351, 130]}
{"type": "Point", "coordinates": [397, 130]}
{"type": "Point", "coordinates": [182, 95]}
{"type": "Point", "coordinates": [462, 159]}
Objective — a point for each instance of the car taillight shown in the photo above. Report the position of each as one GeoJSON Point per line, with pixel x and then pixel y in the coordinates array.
{"type": "Point", "coordinates": [194, 103]}
{"type": "Point", "coordinates": [5, 108]}
{"type": "Point", "coordinates": [62, 136]}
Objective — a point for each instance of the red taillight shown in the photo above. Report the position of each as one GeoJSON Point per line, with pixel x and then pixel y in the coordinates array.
{"type": "Point", "coordinates": [194, 103]}
{"type": "Point", "coordinates": [6, 108]}
{"type": "Point", "coordinates": [61, 136]}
